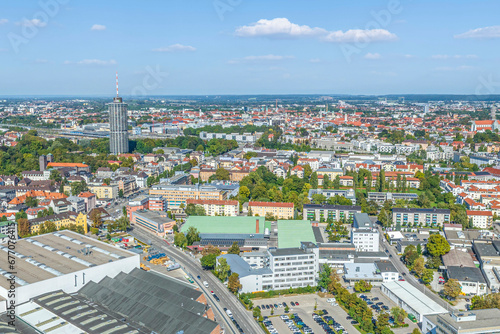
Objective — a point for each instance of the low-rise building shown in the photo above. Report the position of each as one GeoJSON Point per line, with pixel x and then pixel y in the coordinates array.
{"type": "Point", "coordinates": [176, 195]}
{"type": "Point", "coordinates": [153, 221]}
{"type": "Point", "coordinates": [480, 219]}
{"type": "Point", "coordinates": [60, 220]}
{"type": "Point", "coordinates": [320, 212]}
{"type": "Point", "coordinates": [470, 278]}
{"type": "Point", "coordinates": [217, 207]}
{"type": "Point", "coordinates": [104, 191]}
{"type": "Point", "coordinates": [472, 322]}
{"type": "Point", "coordinates": [277, 210]}
{"type": "Point", "coordinates": [364, 235]}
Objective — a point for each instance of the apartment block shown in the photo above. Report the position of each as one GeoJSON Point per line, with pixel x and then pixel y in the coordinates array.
{"type": "Point", "coordinates": [217, 207]}
{"type": "Point", "coordinates": [319, 212]}
{"type": "Point", "coordinates": [480, 219]}
{"type": "Point", "coordinates": [421, 217]}
{"type": "Point", "coordinates": [277, 210]}
{"type": "Point", "coordinates": [175, 195]}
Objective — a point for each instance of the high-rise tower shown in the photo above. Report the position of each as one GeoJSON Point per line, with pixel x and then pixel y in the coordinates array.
{"type": "Point", "coordinates": [118, 140]}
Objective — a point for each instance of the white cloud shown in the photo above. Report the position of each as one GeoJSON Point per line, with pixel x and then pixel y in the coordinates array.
{"type": "Point", "coordinates": [278, 27]}
{"type": "Point", "coordinates": [32, 23]}
{"type": "Point", "coordinates": [360, 35]}
{"type": "Point", "coordinates": [454, 56]}
{"type": "Point", "coordinates": [175, 48]}
{"type": "Point", "coordinates": [372, 56]}
{"type": "Point", "coordinates": [3, 21]}
{"type": "Point", "coordinates": [486, 32]}
{"type": "Point", "coordinates": [98, 27]}
{"type": "Point", "coordinates": [315, 60]}
{"type": "Point", "coordinates": [269, 57]}
{"type": "Point", "coordinates": [98, 62]}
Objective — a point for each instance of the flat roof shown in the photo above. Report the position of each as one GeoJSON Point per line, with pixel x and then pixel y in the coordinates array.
{"type": "Point", "coordinates": [413, 297]}
{"type": "Point", "coordinates": [481, 320]}
{"type": "Point", "coordinates": [55, 254]}
{"type": "Point", "coordinates": [225, 224]}
{"type": "Point", "coordinates": [292, 232]}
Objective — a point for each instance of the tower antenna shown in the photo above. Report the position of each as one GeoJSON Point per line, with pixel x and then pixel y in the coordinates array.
{"type": "Point", "coordinates": [117, 84]}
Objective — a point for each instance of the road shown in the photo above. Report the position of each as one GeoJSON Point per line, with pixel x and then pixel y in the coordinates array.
{"type": "Point", "coordinates": [384, 245]}
{"type": "Point", "coordinates": [193, 267]}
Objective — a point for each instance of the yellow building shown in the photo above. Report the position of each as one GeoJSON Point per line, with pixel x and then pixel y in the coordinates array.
{"type": "Point", "coordinates": [331, 172]}
{"type": "Point", "coordinates": [60, 220]}
{"type": "Point", "coordinates": [277, 210]}
{"type": "Point", "coordinates": [103, 191]}
{"type": "Point", "coordinates": [175, 195]}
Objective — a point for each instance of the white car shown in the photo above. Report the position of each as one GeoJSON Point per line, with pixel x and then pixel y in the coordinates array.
{"type": "Point", "coordinates": [330, 300]}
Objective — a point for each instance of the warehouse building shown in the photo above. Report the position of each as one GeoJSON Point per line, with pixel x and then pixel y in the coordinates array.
{"type": "Point", "coordinates": [62, 260]}
{"type": "Point", "coordinates": [139, 302]}
{"type": "Point", "coordinates": [474, 322]}
{"type": "Point", "coordinates": [411, 299]}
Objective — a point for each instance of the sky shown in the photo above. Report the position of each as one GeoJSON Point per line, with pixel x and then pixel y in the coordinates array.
{"type": "Point", "coordinates": [217, 47]}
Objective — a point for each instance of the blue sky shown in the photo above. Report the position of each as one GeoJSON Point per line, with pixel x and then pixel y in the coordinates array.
{"type": "Point", "coordinates": [249, 47]}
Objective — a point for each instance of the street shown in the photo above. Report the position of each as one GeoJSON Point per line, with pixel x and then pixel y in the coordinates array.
{"type": "Point", "coordinates": [409, 277]}
{"type": "Point", "coordinates": [193, 267]}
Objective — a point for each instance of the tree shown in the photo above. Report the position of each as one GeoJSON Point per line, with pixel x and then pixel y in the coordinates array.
{"type": "Point", "coordinates": [362, 286]}
{"type": "Point", "coordinates": [244, 192]}
{"type": "Point", "coordinates": [419, 266]}
{"type": "Point", "coordinates": [78, 187]}
{"type": "Point", "coordinates": [369, 180]}
{"type": "Point", "coordinates": [427, 276]}
{"type": "Point", "coordinates": [180, 240]}
{"type": "Point", "coordinates": [208, 261]}
{"type": "Point", "coordinates": [410, 255]}
{"type": "Point", "coordinates": [307, 171]}
{"type": "Point", "coordinates": [192, 235]}
{"type": "Point", "coordinates": [31, 202]}
{"type": "Point", "coordinates": [336, 182]}
{"type": "Point", "coordinates": [314, 180]}
{"type": "Point", "coordinates": [324, 276]}
{"type": "Point", "coordinates": [23, 226]}
{"type": "Point", "coordinates": [437, 245]}
{"type": "Point", "coordinates": [95, 216]}
{"type": "Point", "coordinates": [318, 198]}
{"type": "Point", "coordinates": [195, 210]}
{"type": "Point", "coordinates": [326, 182]}
{"type": "Point", "coordinates": [210, 249]}
{"type": "Point", "coordinates": [383, 217]}
{"type": "Point", "coordinates": [234, 249]}
{"type": "Point", "coordinates": [233, 283]}
{"type": "Point", "coordinates": [222, 174]}
{"type": "Point", "coordinates": [222, 269]}
{"type": "Point", "coordinates": [55, 175]}
{"type": "Point", "coordinates": [416, 331]}
{"type": "Point", "coordinates": [200, 148]}
{"type": "Point", "coordinates": [120, 193]}
{"type": "Point", "coordinates": [399, 315]}
{"type": "Point", "coordinates": [452, 288]}
{"type": "Point", "coordinates": [256, 311]}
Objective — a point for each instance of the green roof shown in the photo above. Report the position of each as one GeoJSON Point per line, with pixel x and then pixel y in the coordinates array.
{"type": "Point", "coordinates": [292, 232]}
{"type": "Point", "coordinates": [224, 224]}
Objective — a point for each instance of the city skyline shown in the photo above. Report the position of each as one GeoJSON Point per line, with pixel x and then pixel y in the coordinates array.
{"type": "Point", "coordinates": [242, 47]}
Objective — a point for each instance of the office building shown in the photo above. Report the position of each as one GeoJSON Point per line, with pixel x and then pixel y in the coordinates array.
{"type": "Point", "coordinates": [364, 235]}
{"type": "Point", "coordinates": [118, 127]}
{"type": "Point", "coordinates": [153, 221]}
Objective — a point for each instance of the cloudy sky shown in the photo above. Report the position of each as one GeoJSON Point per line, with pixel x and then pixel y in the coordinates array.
{"type": "Point", "coordinates": [70, 47]}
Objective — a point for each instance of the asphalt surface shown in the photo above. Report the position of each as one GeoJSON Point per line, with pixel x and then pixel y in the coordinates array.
{"type": "Point", "coordinates": [192, 266]}
{"type": "Point", "coordinates": [384, 245]}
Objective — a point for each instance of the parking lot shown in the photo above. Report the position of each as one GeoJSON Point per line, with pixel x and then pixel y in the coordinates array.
{"type": "Point", "coordinates": [305, 311]}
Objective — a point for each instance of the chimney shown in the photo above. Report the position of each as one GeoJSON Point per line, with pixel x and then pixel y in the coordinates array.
{"type": "Point", "coordinates": [257, 226]}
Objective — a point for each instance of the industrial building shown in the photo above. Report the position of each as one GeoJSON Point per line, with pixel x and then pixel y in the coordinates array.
{"type": "Point", "coordinates": [153, 221]}
{"type": "Point", "coordinates": [473, 322]}
{"type": "Point", "coordinates": [412, 300]}
{"type": "Point", "coordinates": [138, 302]}
{"type": "Point", "coordinates": [62, 260]}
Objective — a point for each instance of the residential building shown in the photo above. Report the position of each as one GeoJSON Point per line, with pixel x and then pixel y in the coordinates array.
{"type": "Point", "coordinates": [380, 197]}
{"type": "Point", "coordinates": [277, 210]}
{"type": "Point", "coordinates": [90, 200]}
{"type": "Point", "coordinates": [420, 217]}
{"type": "Point", "coordinates": [60, 220]}
{"type": "Point", "coordinates": [157, 203]}
{"type": "Point", "coordinates": [480, 219]}
{"type": "Point", "coordinates": [77, 204]}
{"type": "Point", "coordinates": [104, 191]}
{"type": "Point", "coordinates": [319, 212]}
{"type": "Point", "coordinates": [387, 270]}
{"type": "Point", "coordinates": [176, 195]}
{"type": "Point", "coordinates": [217, 207]}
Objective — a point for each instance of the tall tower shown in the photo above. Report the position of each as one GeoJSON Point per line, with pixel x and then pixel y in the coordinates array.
{"type": "Point", "coordinates": [118, 127]}
{"type": "Point", "coordinates": [494, 112]}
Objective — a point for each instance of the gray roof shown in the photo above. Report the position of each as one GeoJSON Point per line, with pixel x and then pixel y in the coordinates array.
{"type": "Point", "coordinates": [470, 274]}
{"type": "Point", "coordinates": [485, 249]}
{"type": "Point", "coordinates": [242, 268]}
{"type": "Point", "coordinates": [484, 320]}
{"type": "Point", "coordinates": [317, 234]}
{"type": "Point", "coordinates": [386, 266]}
{"type": "Point", "coordinates": [159, 303]}
{"type": "Point", "coordinates": [362, 220]}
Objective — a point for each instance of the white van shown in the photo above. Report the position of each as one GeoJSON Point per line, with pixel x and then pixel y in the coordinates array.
{"type": "Point", "coordinates": [228, 312]}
